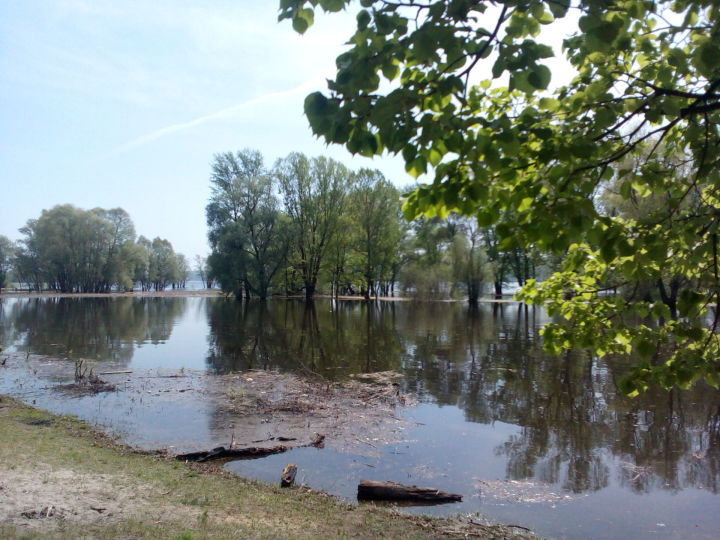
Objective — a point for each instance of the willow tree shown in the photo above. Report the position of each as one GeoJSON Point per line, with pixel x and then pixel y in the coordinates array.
{"type": "Point", "coordinates": [375, 205]}
{"type": "Point", "coordinates": [69, 249]}
{"type": "Point", "coordinates": [246, 228]}
{"type": "Point", "coordinates": [466, 97]}
{"type": "Point", "coordinates": [7, 251]}
{"type": "Point", "coordinates": [314, 193]}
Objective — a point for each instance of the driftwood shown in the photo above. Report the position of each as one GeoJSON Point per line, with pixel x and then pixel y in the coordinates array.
{"type": "Point", "coordinates": [369, 490]}
{"type": "Point", "coordinates": [250, 452]}
{"type": "Point", "coordinates": [221, 452]}
{"type": "Point", "coordinates": [288, 475]}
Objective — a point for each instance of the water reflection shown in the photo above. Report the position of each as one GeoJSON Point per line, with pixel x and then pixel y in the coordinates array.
{"type": "Point", "coordinates": [574, 429]}
{"type": "Point", "coordinates": [96, 328]}
{"type": "Point", "coordinates": [577, 430]}
{"type": "Point", "coordinates": [331, 339]}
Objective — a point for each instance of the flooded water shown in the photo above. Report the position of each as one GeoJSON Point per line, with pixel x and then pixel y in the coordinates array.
{"type": "Point", "coordinates": [541, 442]}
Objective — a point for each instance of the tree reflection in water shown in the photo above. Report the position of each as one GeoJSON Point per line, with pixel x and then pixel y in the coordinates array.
{"type": "Point", "coordinates": [93, 328]}
{"type": "Point", "coordinates": [577, 430]}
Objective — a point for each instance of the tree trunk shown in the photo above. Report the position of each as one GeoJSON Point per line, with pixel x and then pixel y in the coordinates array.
{"type": "Point", "coordinates": [309, 291]}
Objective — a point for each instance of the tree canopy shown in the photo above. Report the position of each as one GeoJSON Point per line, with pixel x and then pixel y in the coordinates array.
{"type": "Point", "coordinates": [461, 90]}
{"type": "Point", "coordinates": [68, 249]}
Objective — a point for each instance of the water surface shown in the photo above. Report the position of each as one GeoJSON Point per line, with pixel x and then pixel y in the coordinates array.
{"type": "Point", "coordinates": [543, 442]}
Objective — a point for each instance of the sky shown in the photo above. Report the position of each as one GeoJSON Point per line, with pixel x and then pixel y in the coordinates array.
{"type": "Point", "coordinates": [124, 104]}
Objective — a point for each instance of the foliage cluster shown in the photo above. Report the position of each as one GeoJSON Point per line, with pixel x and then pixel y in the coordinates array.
{"type": "Point", "coordinates": [311, 223]}
{"type": "Point", "coordinates": [304, 220]}
{"type": "Point", "coordinates": [68, 249]}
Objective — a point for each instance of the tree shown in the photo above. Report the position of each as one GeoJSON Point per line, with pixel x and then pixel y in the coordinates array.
{"type": "Point", "coordinates": [375, 203]}
{"type": "Point", "coordinates": [427, 272]}
{"type": "Point", "coordinates": [7, 252]}
{"type": "Point", "coordinates": [70, 249]}
{"type": "Point", "coordinates": [314, 192]}
{"type": "Point", "coordinates": [470, 265]}
{"type": "Point", "coordinates": [247, 232]}
{"type": "Point", "coordinates": [203, 270]}
{"type": "Point", "coordinates": [158, 266]}
{"type": "Point", "coordinates": [527, 160]}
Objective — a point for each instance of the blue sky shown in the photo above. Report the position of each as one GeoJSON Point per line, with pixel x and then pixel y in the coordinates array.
{"type": "Point", "coordinates": [124, 104]}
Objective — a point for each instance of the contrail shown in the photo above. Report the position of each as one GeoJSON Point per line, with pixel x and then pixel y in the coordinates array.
{"type": "Point", "coordinates": [219, 115]}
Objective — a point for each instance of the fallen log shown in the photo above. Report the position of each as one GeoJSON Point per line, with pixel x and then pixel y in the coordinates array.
{"type": "Point", "coordinates": [250, 452]}
{"type": "Point", "coordinates": [287, 478]}
{"type": "Point", "coordinates": [369, 490]}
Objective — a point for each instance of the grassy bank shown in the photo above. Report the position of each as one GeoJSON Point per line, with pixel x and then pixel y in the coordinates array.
{"type": "Point", "coordinates": [59, 478]}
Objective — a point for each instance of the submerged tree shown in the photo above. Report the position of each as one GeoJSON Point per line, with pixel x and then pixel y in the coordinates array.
{"type": "Point", "coordinates": [314, 193]}
{"type": "Point", "coordinates": [375, 204]}
{"type": "Point", "coordinates": [158, 266]}
{"type": "Point", "coordinates": [469, 261]}
{"type": "Point", "coordinates": [7, 253]}
{"type": "Point", "coordinates": [247, 231]}
{"type": "Point", "coordinates": [203, 270]}
{"type": "Point", "coordinates": [527, 160]}
{"type": "Point", "coordinates": [69, 249]}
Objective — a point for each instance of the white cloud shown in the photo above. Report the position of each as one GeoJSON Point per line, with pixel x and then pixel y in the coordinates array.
{"type": "Point", "coordinates": [223, 114]}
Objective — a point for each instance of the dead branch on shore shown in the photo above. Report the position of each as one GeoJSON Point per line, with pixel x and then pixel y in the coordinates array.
{"type": "Point", "coordinates": [250, 452]}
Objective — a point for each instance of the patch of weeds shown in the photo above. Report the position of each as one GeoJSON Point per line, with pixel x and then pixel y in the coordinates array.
{"type": "Point", "coordinates": [37, 422]}
{"type": "Point", "coordinates": [203, 518]}
{"type": "Point", "coordinates": [185, 535]}
{"type": "Point", "coordinates": [195, 500]}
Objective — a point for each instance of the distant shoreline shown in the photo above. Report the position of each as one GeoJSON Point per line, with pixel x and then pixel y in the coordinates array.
{"type": "Point", "coordinates": [212, 293]}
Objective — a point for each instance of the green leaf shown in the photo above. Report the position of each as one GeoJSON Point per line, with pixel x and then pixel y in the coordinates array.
{"type": "Point", "coordinates": [540, 77]}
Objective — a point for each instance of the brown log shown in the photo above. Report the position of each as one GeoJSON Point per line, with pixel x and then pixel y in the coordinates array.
{"type": "Point", "coordinates": [288, 475]}
{"type": "Point", "coordinates": [250, 452]}
{"type": "Point", "coordinates": [369, 490]}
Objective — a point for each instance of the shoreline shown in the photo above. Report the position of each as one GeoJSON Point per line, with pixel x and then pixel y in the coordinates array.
{"type": "Point", "coordinates": [216, 293]}
{"type": "Point", "coordinates": [63, 478]}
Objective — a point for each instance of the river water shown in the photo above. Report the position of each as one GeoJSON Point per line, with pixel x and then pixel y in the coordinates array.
{"type": "Point", "coordinates": [528, 439]}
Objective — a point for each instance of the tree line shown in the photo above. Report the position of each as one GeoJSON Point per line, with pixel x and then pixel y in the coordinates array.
{"type": "Point", "coordinates": [71, 250]}
{"type": "Point", "coordinates": [311, 224]}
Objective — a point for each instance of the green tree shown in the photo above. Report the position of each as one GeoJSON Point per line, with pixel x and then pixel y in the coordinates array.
{"type": "Point", "coordinates": [469, 262]}
{"type": "Point", "coordinates": [375, 204]}
{"type": "Point", "coordinates": [247, 231]}
{"type": "Point", "coordinates": [69, 249]}
{"type": "Point", "coordinates": [527, 159]}
{"type": "Point", "coordinates": [427, 272]}
{"type": "Point", "coordinates": [158, 266]}
{"type": "Point", "coordinates": [314, 193]}
{"type": "Point", "coordinates": [203, 270]}
{"type": "Point", "coordinates": [7, 253]}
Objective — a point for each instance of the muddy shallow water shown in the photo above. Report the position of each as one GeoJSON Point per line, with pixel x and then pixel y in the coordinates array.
{"type": "Point", "coordinates": [542, 442]}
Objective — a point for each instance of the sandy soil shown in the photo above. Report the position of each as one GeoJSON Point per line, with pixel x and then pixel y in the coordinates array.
{"type": "Point", "coordinates": [41, 497]}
